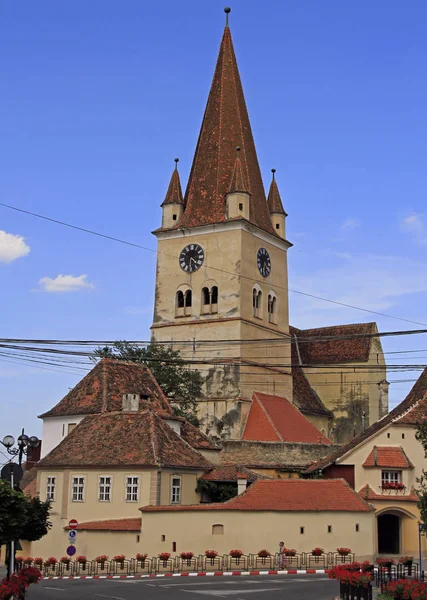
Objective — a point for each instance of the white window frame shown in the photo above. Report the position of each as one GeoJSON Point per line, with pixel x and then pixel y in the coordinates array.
{"type": "Point", "coordinates": [104, 486]}
{"type": "Point", "coordinates": [130, 496]}
{"type": "Point", "coordinates": [176, 490]}
{"type": "Point", "coordinates": [391, 476]}
{"type": "Point", "coordinates": [78, 484]}
{"type": "Point", "coordinates": [51, 488]}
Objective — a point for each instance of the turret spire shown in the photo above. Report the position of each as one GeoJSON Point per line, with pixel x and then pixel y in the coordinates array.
{"type": "Point", "coordinates": [274, 201]}
{"type": "Point", "coordinates": [225, 125]}
{"type": "Point", "coordinates": [174, 193]}
{"type": "Point", "coordinates": [238, 179]}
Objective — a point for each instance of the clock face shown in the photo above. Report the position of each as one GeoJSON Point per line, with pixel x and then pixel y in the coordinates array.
{"type": "Point", "coordinates": [263, 262]}
{"type": "Point", "coordinates": [191, 258]}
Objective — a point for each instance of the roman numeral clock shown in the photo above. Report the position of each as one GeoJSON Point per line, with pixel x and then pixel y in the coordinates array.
{"type": "Point", "coordinates": [191, 258]}
{"type": "Point", "coordinates": [263, 262]}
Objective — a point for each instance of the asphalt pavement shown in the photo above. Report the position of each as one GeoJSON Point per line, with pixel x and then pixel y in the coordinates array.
{"type": "Point", "coordinates": [277, 587]}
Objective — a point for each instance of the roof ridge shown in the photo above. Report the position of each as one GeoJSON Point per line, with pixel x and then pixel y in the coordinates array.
{"type": "Point", "coordinates": [104, 387]}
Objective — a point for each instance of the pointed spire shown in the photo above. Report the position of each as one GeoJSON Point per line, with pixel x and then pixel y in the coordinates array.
{"type": "Point", "coordinates": [225, 125]}
{"type": "Point", "coordinates": [174, 193]}
{"type": "Point", "coordinates": [274, 201]}
{"type": "Point", "coordinates": [238, 179]}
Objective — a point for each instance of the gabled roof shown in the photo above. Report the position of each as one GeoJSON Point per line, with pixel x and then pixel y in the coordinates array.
{"type": "Point", "coordinates": [101, 390]}
{"type": "Point", "coordinates": [285, 495]}
{"type": "Point", "coordinates": [274, 200]}
{"type": "Point", "coordinates": [141, 439]}
{"type": "Point", "coordinates": [304, 396]}
{"type": "Point", "coordinates": [193, 436]}
{"type": "Point", "coordinates": [315, 348]}
{"type": "Point", "coordinates": [408, 412]}
{"type": "Point", "coordinates": [174, 193]}
{"type": "Point", "coordinates": [130, 524]}
{"type": "Point", "coordinates": [388, 457]}
{"type": "Point", "coordinates": [225, 126]}
{"type": "Point", "coordinates": [275, 419]}
{"type": "Point", "coordinates": [28, 482]}
{"type": "Point", "coordinates": [367, 493]}
{"type": "Point", "coordinates": [231, 473]}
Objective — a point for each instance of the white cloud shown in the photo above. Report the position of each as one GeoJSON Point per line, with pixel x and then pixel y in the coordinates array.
{"type": "Point", "coordinates": [415, 225]}
{"type": "Point", "coordinates": [350, 224]}
{"type": "Point", "coordinates": [374, 282]}
{"type": "Point", "coordinates": [12, 247]}
{"type": "Point", "coordinates": [65, 283]}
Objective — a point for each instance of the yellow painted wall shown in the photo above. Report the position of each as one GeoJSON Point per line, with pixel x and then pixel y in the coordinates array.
{"type": "Point", "coordinates": [251, 531]}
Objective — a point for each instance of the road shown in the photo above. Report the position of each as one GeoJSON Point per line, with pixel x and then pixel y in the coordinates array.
{"type": "Point", "coordinates": [279, 587]}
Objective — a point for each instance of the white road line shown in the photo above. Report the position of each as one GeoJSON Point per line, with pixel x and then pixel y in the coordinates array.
{"type": "Point", "coordinates": [113, 597]}
{"type": "Point", "coordinates": [223, 593]}
{"type": "Point", "coordinates": [54, 588]}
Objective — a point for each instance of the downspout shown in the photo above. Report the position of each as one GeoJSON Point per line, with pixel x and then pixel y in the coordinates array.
{"type": "Point", "coordinates": [159, 478]}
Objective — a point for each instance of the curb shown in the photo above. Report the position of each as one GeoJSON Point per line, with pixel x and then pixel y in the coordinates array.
{"type": "Point", "coordinates": [204, 574]}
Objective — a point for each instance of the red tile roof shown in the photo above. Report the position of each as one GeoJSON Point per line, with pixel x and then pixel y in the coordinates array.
{"type": "Point", "coordinates": [304, 396]}
{"type": "Point", "coordinates": [174, 193]}
{"type": "Point", "coordinates": [287, 495]}
{"type": "Point", "coordinates": [238, 180]}
{"type": "Point", "coordinates": [28, 482]}
{"type": "Point", "coordinates": [323, 351]}
{"type": "Point", "coordinates": [196, 438]}
{"type": "Point", "coordinates": [368, 494]}
{"type": "Point", "coordinates": [128, 439]}
{"type": "Point", "coordinates": [231, 473]}
{"type": "Point", "coordinates": [101, 390]}
{"type": "Point", "coordinates": [408, 412]}
{"type": "Point", "coordinates": [131, 524]}
{"type": "Point", "coordinates": [388, 457]}
{"type": "Point", "coordinates": [225, 126]}
{"type": "Point", "coordinates": [274, 200]}
{"type": "Point", "coordinates": [275, 419]}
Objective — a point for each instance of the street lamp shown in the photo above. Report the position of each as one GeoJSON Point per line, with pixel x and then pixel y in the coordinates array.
{"type": "Point", "coordinates": [24, 443]}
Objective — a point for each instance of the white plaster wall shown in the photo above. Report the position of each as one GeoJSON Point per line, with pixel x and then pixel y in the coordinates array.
{"type": "Point", "coordinates": [55, 429]}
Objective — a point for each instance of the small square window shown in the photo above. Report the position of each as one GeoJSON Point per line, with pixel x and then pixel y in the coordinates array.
{"type": "Point", "coordinates": [329, 528]}
{"type": "Point", "coordinates": [277, 226]}
{"type": "Point", "coordinates": [357, 527]}
{"type": "Point", "coordinates": [403, 436]}
{"type": "Point", "coordinates": [301, 530]}
{"type": "Point", "coordinates": [173, 546]}
{"type": "Point", "coordinates": [388, 435]}
{"type": "Point", "coordinates": [163, 538]}
{"type": "Point", "coordinates": [174, 217]}
{"type": "Point", "coordinates": [240, 206]}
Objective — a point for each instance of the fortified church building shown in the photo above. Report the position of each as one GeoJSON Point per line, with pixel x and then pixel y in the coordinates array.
{"type": "Point", "coordinates": [222, 287]}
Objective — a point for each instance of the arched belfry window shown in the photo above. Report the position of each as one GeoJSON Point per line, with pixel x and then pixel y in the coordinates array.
{"type": "Point", "coordinates": [257, 301]}
{"type": "Point", "coordinates": [183, 301]}
{"type": "Point", "coordinates": [272, 307]}
{"type": "Point", "coordinates": [209, 299]}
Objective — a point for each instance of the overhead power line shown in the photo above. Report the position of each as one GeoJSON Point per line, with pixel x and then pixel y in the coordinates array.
{"type": "Point", "coordinates": [147, 249]}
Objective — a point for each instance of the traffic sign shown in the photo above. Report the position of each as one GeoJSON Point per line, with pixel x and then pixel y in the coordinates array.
{"type": "Point", "coordinates": [71, 550]}
{"type": "Point", "coordinates": [11, 472]}
{"type": "Point", "coordinates": [72, 534]}
{"type": "Point", "coordinates": [73, 524]}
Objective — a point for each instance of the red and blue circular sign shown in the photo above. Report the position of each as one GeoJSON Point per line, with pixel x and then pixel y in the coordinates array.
{"type": "Point", "coordinates": [71, 550]}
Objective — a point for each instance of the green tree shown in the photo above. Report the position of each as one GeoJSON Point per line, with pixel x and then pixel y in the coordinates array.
{"type": "Point", "coordinates": [180, 385]}
{"type": "Point", "coordinates": [21, 517]}
{"type": "Point", "coordinates": [421, 491]}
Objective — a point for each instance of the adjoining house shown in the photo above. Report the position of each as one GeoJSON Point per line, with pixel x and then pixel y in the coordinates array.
{"type": "Point", "coordinates": [382, 464]}
{"type": "Point", "coordinates": [304, 513]}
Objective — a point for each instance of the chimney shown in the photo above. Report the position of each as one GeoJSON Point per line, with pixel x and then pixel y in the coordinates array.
{"type": "Point", "coordinates": [242, 483]}
{"type": "Point", "coordinates": [130, 402]}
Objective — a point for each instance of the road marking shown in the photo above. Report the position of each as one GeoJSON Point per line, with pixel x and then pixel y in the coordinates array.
{"type": "Point", "coordinates": [222, 593]}
{"type": "Point", "coordinates": [54, 588]}
{"type": "Point", "coordinates": [240, 582]}
{"type": "Point", "coordinates": [113, 597]}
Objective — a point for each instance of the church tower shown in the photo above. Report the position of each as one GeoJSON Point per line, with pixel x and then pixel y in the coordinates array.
{"type": "Point", "coordinates": [222, 282]}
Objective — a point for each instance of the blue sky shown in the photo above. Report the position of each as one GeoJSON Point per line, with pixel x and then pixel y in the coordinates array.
{"type": "Point", "coordinates": [97, 98]}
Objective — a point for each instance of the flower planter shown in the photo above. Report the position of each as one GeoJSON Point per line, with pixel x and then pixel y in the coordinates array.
{"type": "Point", "coordinates": [211, 563]}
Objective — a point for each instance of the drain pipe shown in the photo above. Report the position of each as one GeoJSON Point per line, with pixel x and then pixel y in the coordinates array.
{"type": "Point", "coordinates": [159, 478]}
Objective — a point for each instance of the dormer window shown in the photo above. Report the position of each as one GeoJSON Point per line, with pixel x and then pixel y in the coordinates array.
{"type": "Point", "coordinates": [240, 206]}
{"type": "Point", "coordinates": [174, 217]}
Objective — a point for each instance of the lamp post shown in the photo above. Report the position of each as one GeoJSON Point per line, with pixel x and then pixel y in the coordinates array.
{"type": "Point", "coordinates": [24, 445]}
{"type": "Point", "coordinates": [420, 530]}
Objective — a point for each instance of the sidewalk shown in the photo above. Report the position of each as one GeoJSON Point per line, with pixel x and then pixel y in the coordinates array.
{"type": "Point", "coordinates": [2, 572]}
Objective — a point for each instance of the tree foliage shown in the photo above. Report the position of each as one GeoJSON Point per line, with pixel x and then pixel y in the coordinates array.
{"type": "Point", "coordinates": [421, 491]}
{"type": "Point", "coordinates": [21, 517]}
{"type": "Point", "coordinates": [217, 491]}
{"type": "Point", "coordinates": [180, 385]}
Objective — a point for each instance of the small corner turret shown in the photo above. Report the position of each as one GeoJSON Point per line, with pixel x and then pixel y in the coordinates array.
{"type": "Point", "coordinates": [275, 206]}
{"type": "Point", "coordinates": [238, 196]}
{"type": "Point", "coordinates": [173, 204]}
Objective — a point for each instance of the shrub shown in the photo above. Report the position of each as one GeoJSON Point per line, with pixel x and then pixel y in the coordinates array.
{"type": "Point", "coordinates": [102, 558]}
{"type": "Point", "coordinates": [51, 561]}
{"type": "Point", "coordinates": [236, 553]}
{"type": "Point", "coordinates": [343, 551]}
{"type": "Point", "coordinates": [385, 563]}
{"type": "Point", "coordinates": [406, 560]}
{"type": "Point", "coordinates": [264, 553]}
{"type": "Point", "coordinates": [141, 557]}
{"type": "Point", "coordinates": [119, 558]}
{"type": "Point", "coordinates": [211, 553]}
{"type": "Point", "coordinates": [186, 555]}
{"type": "Point", "coordinates": [164, 556]}
{"type": "Point", "coordinates": [82, 560]}
{"type": "Point", "coordinates": [317, 551]}
{"type": "Point", "coordinates": [289, 552]}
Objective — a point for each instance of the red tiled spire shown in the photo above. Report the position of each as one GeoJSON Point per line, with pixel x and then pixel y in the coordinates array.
{"type": "Point", "coordinates": [225, 125]}
{"type": "Point", "coordinates": [238, 179]}
{"type": "Point", "coordinates": [274, 200]}
{"type": "Point", "coordinates": [174, 193]}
